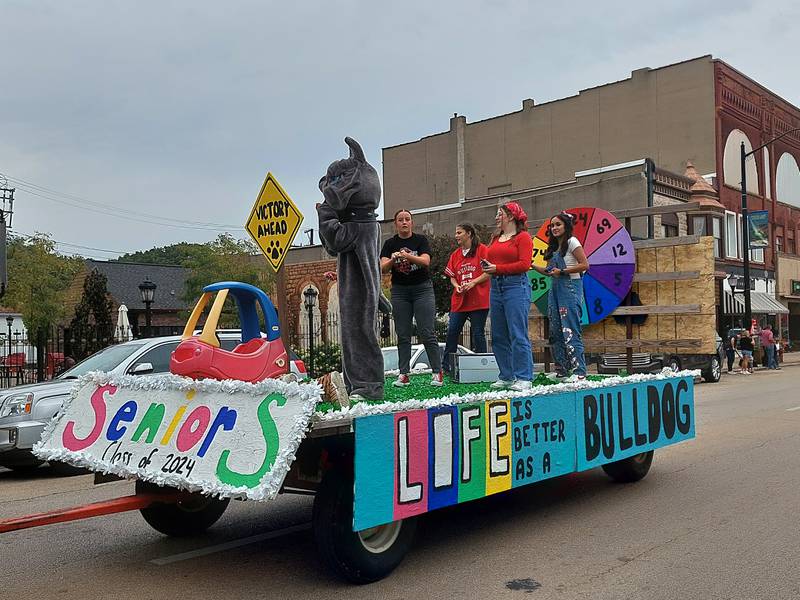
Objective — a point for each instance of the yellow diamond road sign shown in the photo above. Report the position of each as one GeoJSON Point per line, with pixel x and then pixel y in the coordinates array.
{"type": "Point", "coordinates": [274, 221]}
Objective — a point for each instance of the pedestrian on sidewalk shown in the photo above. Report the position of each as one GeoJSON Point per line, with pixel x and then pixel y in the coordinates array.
{"type": "Point", "coordinates": [730, 343]}
{"type": "Point", "coordinates": [746, 348]}
{"type": "Point", "coordinates": [768, 343]}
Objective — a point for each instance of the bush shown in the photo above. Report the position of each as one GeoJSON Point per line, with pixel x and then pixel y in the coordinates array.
{"type": "Point", "coordinates": [327, 358]}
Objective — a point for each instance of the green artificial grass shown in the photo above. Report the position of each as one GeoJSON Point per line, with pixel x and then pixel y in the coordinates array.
{"type": "Point", "coordinates": [420, 388]}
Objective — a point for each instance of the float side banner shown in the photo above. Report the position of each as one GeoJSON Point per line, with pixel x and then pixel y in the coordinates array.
{"type": "Point", "coordinates": [230, 439]}
{"type": "Point", "coordinates": [617, 422]}
{"type": "Point", "coordinates": [411, 462]}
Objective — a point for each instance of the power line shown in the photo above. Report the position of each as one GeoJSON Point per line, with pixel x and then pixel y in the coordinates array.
{"type": "Point", "coordinates": [112, 211]}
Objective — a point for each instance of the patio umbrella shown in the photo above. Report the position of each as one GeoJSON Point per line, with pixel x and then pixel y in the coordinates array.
{"type": "Point", "coordinates": [123, 331]}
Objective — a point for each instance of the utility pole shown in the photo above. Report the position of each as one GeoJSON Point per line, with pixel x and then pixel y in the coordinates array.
{"type": "Point", "coordinates": [6, 213]}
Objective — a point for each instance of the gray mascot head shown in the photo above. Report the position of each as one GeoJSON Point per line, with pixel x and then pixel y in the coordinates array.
{"type": "Point", "coordinates": [351, 183]}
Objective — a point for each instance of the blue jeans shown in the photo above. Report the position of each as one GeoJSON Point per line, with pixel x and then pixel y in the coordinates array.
{"type": "Point", "coordinates": [509, 304]}
{"type": "Point", "coordinates": [564, 312]}
{"type": "Point", "coordinates": [771, 362]}
{"type": "Point", "coordinates": [477, 326]}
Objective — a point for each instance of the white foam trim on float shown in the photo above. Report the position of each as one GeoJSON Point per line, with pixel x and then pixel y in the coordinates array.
{"type": "Point", "coordinates": [363, 409]}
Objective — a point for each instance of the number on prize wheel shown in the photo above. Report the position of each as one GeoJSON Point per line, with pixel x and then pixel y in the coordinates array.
{"type": "Point", "coordinates": [612, 263]}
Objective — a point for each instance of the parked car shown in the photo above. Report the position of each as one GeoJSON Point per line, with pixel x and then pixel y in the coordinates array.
{"type": "Point", "coordinates": [419, 356]}
{"type": "Point", "coordinates": [25, 410]}
{"type": "Point", "coordinates": [710, 365]}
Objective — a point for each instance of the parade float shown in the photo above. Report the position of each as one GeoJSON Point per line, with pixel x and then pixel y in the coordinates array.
{"type": "Point", "coordinates": [229, 425]}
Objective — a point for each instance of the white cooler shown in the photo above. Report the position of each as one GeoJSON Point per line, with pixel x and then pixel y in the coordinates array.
{"type": "Point", "coordinates": [475, 368]}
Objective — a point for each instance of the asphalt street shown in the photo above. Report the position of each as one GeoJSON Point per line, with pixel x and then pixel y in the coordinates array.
{"type": "Point", "coordinates": [716, 518]}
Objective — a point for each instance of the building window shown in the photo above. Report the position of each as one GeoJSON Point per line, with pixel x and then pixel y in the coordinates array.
{"type": "Point", "coordinates": [778, 243]}
{"type": "Point", "coordinates": [716, 223]}
{"type": "Point", "coordinates": [757, 255]}
{"type": "Point", "coordinates": [731, 236]}
{"type": "Point", "coordinates": [739, 252]}
{"type": "Point", "coordinates": [789, 246]}
{"type": "Point", "coordinates": [732, 166]}
{"type": "Point", "coordinates": [669, 231]}
{"type": "Point", "coordinates": [699, 225]}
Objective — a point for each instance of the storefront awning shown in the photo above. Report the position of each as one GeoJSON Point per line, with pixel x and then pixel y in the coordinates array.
{"type": "Point", "coordinates": [732, 304]}
{"type": "Point", "coordinates": [764, 304]}
{"type": "Point", "coordinates": [760, 304]}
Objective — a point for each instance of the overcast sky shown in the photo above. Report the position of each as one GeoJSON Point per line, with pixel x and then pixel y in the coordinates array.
{"type": "Point", "coordinates": [176, 110]}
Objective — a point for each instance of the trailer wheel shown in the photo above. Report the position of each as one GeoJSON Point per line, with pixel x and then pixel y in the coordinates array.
{"type": "Point", "coordinates": [358, 557]}
{"type": "Point", "coordinates": [189, 516]}
{"type": "Point", "coordinates": [630, 469]}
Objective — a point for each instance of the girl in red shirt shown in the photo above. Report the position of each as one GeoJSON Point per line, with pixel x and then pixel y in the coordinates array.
{"type": "Point", "coordinates": [470, 299]}
{"type": "Point", "coordinates": [508, 262]}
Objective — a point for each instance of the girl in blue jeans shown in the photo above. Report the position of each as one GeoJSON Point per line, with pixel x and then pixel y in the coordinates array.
{"type": "Point", "coordinates": [508, 262]}
{"type": "Point", "coordinates": [566, 260]}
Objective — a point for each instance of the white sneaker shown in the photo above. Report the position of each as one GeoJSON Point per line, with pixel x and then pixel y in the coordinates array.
{"type": "Point", "coordinates": [437, 380]}
{"type": "Point", "coordinates": [501, 385]}
{"type": "Point", "coordinates": [520, 386]}
{"type": "Point", "coordinates": [574, 378]}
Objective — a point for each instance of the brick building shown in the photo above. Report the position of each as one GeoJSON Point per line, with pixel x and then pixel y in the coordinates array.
{"type": "Point", "coordinates": [697, 111]}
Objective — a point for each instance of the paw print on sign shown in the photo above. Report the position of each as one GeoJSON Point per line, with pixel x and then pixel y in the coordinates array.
{"type": "Point", "coordinates": [274, 249]}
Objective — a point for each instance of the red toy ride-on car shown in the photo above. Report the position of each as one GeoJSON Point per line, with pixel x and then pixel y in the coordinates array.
{"type": "Point", "coordinates": [259, 356]}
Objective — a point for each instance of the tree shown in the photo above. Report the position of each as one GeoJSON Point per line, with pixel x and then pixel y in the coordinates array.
{"type": "Point", "coordinates": [226, 259]}
{"type": "Point", "coordinates": [174, 254]}
{"type": "Point", "coordinates": [92, 329]}
{"type": "Point", "coordinates": [37, 280]}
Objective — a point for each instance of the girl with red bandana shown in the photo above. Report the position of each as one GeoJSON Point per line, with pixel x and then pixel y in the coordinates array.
{"type": "Point", "coordinates": [508, 262]}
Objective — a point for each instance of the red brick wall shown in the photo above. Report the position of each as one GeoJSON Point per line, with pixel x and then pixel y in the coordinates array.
{"type": "Point", "coordinates": [298, 278]}
{"type": "Point", "coordinates": [745, 105]}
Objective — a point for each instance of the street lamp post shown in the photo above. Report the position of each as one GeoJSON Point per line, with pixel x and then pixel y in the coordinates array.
{"type": "Point", "coordinates": [148, 291]}
{"type": "Point", "coordinates": [9, 322]}
{"type": "Point", "coordinates": [310, 299]}
{"type": "Point", "coordinates": [748, 314]}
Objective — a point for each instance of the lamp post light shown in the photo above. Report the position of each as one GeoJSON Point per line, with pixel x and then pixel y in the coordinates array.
{"type": "Point", "coordinates": [748, 314]}
{"type": "Point", "coordinates": [148, 291]}
{"type": "Point", "coordinates": [309, 300]}
{"type": "Point", "coordinates": [9, 322]}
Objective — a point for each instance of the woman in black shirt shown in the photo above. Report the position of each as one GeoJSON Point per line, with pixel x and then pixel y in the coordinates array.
{"type": "Point", "coordinates": [407, 255]}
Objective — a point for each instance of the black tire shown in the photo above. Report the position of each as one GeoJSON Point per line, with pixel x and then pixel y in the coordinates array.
{"type": "Point", "coordinates": [714, 371]}
{"type": "Point", "coordinates": [358, 557]}
{"type": "Point", "coordinates": [630, 469]}
{"type": "Point", "coordinates": [189, 516]}
{"type": "Point", "coordinates": [674, 363]}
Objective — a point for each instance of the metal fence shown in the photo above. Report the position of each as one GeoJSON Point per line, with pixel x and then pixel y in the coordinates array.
{"type": "Point", "coordinates": [24, 359]}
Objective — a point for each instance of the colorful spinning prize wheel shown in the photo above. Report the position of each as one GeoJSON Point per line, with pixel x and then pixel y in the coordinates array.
{"type": "Point", "coordinates": [612, 263]}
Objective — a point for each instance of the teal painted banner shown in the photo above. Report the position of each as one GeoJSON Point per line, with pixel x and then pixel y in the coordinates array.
{"type": "Point", "coordinates": [408, 463]}
{"type": "Point", "coordinates": [758, 228]}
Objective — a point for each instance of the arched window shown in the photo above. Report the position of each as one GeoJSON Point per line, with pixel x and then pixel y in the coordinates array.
{"type": "Point", "coordinates": [303, 325]}
{"type": "Point", "coordinates": [767, 178]}
{"type": "Point", "coordinates": [732, 164]}
{"type": "Point", "coordinates": [787, 180]}
{"type": "Point", "coordinates": [333, 299]}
